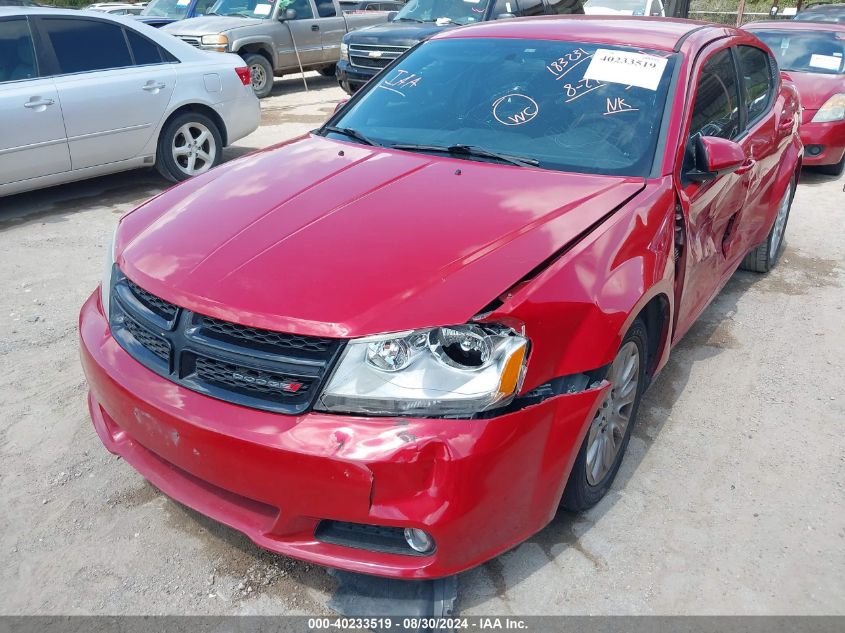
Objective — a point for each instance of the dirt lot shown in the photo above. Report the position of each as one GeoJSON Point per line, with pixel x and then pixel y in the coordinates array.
{"type": "Point", "coordinates": [731, 498]}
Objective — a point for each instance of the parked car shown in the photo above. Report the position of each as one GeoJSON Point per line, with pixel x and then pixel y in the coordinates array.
{"type": "Point", "coordinates": [117, 8]}
{"type": "Point", "coordinates": [814, 57]}
{"type": "Point", "coordinates": [159, 13]}
{"type": "Point", "coordinates": [157, 101]}
{"type": "Point", "coordinates": [364, 53]}
{"type": "Point", "coordinates": [653, 8]}
{"type": "Point", "coordinates": [555, 201]}
{"type": "Point", "coordinates": [834, 12]}
{"type": "Point", "coordinates": [274, 38]}
{"type": "Point", "coordinates": [351, 6]}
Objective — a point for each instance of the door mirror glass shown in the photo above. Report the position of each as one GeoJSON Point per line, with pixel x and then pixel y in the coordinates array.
{"type": "Point", "coordinates": [714, 157]}
{"type": "Point", "coordinates": [289, 14]}
{"type": "Point", "coordinates": [392, 15]}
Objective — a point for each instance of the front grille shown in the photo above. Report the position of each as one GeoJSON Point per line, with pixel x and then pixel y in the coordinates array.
{"type": "Point", "coordinates": [374, 56]}
{"type": "Point", "coordinates": [257, 368]}
{"type": "Point", "coordinates": [193, 41]}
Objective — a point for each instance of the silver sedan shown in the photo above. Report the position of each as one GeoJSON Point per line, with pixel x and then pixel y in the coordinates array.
{"type": "Point", "coordinates": [84, 94]}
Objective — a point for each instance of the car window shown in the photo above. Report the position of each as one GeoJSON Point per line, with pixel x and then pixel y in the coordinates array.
{"type": "Point", "coordinates": [502, 7]}
{"type": "Point", "coordinates": [325, 9]}
{"type": "Point", "coordinates": [716, 109]}
{"type": "Point", "coordinates": [86, 45]}
{"type": "Point", "coordinates": [455, 11]}
{"type": "Point", "coordinates": [806, 51]}
{"type": "Point", "coordinates": [656, 8]}
{"type": "Point", "coordinates": [530, 7]}
{"type": "Point", "coordinates": [172, 9]}
{"type": "Point", "coordinates": [144, 50]}
{"type": "Point", "coordinates": [757, 80]}
{"type": "Point", "coordinates": [565, 7]}
{"type": "Point", "coordinates": [571, 106]}
{"type": "Point", "coordinates": [203, 6]}
{"type": "Point", "coordinates": [17, 57]}
{"type": "Point", "coordinates": [302, 7]}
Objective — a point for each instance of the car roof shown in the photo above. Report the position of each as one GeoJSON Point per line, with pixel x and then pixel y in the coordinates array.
{"type": "Point", "coordinates": [642, 32]}
{"type": "Point", "coordinates": [796, 25]}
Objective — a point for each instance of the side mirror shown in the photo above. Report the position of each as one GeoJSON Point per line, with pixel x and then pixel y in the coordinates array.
{"type": "Point", "coordinates": [289, 14]}
{"type": "Point", "coordinates": [391, 15]}
{"type": "Point", "coordinates": [339, 105]}
{"type": "Point", "coordinates": [714, 157]}
{"type": "Point", "coordinates": [505, 16]}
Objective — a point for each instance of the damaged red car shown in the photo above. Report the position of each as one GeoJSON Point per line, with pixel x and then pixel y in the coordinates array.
{"type": "Point", "coordinates": [398, 344]}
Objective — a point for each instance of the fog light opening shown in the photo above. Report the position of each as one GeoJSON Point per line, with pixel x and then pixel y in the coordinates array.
{"type": "Point", "coordinates": [419, 540]}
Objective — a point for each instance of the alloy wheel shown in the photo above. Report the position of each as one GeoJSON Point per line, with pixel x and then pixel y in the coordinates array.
{"type": "Point", "coordinates": [258, 77]}
{"type": "Point", "coordinates": [607, 431]}
{"type": "Point", "coordinates": [780, 222]}
{"type": "Point", "coordinates": [194, 148]}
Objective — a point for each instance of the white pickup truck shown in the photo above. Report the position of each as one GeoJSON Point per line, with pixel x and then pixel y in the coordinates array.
{"type": "Point", "coordinates": [275, 36]}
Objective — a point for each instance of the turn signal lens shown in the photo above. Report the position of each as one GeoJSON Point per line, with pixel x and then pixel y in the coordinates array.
{"type": "Point", "coordinates": [832, 110]}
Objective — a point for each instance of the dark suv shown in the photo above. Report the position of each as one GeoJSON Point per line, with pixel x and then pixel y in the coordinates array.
{"type": "Point", "coordinates": [365, 52]}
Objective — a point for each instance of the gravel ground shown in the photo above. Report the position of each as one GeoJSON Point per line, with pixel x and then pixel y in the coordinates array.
{"type": "Point", "coordinates": [731, 498]}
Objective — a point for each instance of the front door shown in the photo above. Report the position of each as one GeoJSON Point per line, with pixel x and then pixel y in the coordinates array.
{"type": "Point", "coordinates": [112, 105]}
{"type": "Point", "coordinates": [32, 135]}
{"type": "Point", "coordinates": [301, 35]}
{"type": "Point", "coordinates": [711, 208]}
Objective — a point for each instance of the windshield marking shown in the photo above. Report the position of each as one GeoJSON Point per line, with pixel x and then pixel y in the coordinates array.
{"type": "Point", "coordinates": [526, 110]}
{"type": "Point", "coordinates": [618, 105]}
{"type": "Point", "coordinates": [397, 81]}
{"type": "Point", "coordinates": [557, 67]}
{"type": "Point", "coordinates": [573, 93]}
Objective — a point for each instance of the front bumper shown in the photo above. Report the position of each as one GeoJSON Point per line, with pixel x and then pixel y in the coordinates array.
{"type": "Point", "coordinates": [351, 78]}
{"type": "Point", "coordinates": [479, 487]}
{"type": "Point", "coordinates": [824, 143]}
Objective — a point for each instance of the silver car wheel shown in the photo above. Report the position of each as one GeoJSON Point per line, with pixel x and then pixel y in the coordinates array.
{"type": "Point", "coordinates": [259, 77]}
{"type": "Point", "coordinates": [780, 222]}
{"type": "Point", "coordinates": [194, 148]}
{"type": "Point", "coordinates": [607, 431]}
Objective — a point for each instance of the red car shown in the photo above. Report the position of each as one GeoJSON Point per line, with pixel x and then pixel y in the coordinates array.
{"type": "Point", "coordinates": [814, 56]}
{"type": "Point", "coordinates": [397, 344]}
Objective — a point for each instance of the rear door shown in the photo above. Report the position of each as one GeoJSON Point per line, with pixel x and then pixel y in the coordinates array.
{"type": "Point", "coordinates": [114, 85]}
{"type": "Point", "coordinates": [33, 142]}
{"type": "Point", "coordinates": [332, 27]}
{"type": "Point", "coordinates": [712, 206]}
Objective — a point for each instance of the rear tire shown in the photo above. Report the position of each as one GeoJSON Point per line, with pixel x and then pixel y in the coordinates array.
{"type": "Point", "coordinates": [603, 448]}
{"type": "Point", "coordinates": [833, 170]}
{"type": "Point", "coordinates": [189, 145]}
{"type": "Point", "coordinates": [327, 71]}
{"type": "Point", "coordinates": [763, 258]}
{"type": "Point", "coordinates": [261, 74]}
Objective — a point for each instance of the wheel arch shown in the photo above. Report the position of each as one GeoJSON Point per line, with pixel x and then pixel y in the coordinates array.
{"type": "Point", "coordinates": [256, 47]}
{"type": "Point", "coordinates": [199, 108]}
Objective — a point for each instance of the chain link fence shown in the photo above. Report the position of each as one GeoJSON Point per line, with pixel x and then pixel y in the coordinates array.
{"type": "Point", "coordinates": [728, 11]}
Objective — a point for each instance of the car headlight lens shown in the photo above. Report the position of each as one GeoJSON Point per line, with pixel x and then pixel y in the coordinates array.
{"type": "Point", "coordinates": [447, 371]}
{"type": "Point", "coordinates": [832, 110]}
{"type": "Point", "coordinates": [344, 51]}
{"type": "Point", "coordinates": [108, 267]}
{"type": "Point", "coordinates": [219, 42]}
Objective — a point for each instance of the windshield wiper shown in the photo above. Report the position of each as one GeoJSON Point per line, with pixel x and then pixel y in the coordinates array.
{"type": "Point", "coordinates": [348, 131]}
{"type": "Point", "coordinates": [409, 20]}
{"type": "Point", "coordinates": [469, 150]}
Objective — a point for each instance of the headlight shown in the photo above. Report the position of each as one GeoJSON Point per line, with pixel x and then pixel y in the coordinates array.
{"type": "Point", "coordinates": [344, 51]}
{"type": "Point", "coordinates": [832, 110]}
{"type": "Point", "coordinates": [217, 42]}
{"type": "Point", "coordinates": [108, 267]}
{"type": "Point", "coordinates": [448, 371]}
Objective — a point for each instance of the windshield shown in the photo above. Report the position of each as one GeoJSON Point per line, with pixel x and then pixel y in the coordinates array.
{"type": "Point", "coordinates": [445, 11]}
{"type": "Point", "coordinates": [806, 51]}
{"type": "Point", "coordinates": [244, 8]}
{"type": "Point", "coordinates": [570, 106]}
{"type": "Point", "coordinates": [174, 9]}
{"type": "Point", "coordinates": [834, 14]}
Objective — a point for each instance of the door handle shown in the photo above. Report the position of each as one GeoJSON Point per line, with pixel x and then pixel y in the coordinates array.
{"type": "Point", "coordinates": [152, 86]}
{"type": "Point", "coordinates": [747, 166]}
{"type": "Point", "coordinates": [315, 27]}
{"type": "Point", "coordinates": [38, 102]}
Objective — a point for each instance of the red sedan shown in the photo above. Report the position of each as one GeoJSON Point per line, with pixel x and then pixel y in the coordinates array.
{"type": "Point", "coordinates": [814, 56]}
{"type": "Point", "coordinates": [396, 345]}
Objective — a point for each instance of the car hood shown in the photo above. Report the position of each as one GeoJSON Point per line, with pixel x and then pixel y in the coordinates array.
{"type": "Point", "coordinates": [210, 25]}
{"type": "Point", "coordinates": [330, 238]}
{"type": "Point", "coordinates": [816, 88]}
{"type": "Point", "coordinates": [396, 33]}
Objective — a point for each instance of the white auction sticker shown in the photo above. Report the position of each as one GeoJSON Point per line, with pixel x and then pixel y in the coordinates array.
{"type": "Point", "coordinates": [629, 69]}
{"type": "Point", "coordinates": [263, 9]}
{"type": "Point", "coordinates": [183, 3]}
{"type": "Point", "coordinates": [828, 62]}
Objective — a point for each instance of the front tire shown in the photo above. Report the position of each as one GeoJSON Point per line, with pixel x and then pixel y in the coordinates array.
{"type": "Point", "coordinates": [328, 71]}
{"type": "Point", "coordinates": [763, 258]}
{"type": "Point", "coordinates": [261, 74]}
{"type": "Point", "coordinates": [604, 446]}
{"type": "Point", "coordinates": [189, 145]}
